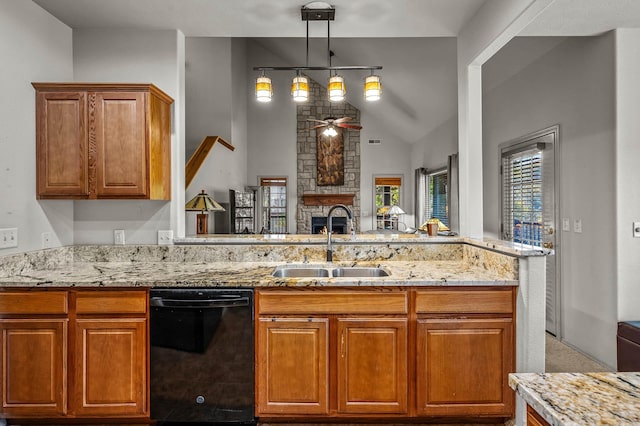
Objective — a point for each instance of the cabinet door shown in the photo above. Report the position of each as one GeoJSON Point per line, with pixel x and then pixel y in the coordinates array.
{"type": "Point", "coordinates": [111, 367]}
{"type": "Point", "coordinates": [462, 367]}
{"type": "Point", "coordinates": [121, 144]}
{"type": "Point", "coordinates": [372, 365]}
{"type": "Point", "coordinates": [61, 145]}
{"type": "Point", "coordinates": [34, 368]}
{"type": "Point", "coordinates": [292, 373]}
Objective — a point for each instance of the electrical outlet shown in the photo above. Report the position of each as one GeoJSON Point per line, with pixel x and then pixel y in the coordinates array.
{"type": "Point", "coordinates": [118, 236]}
{"type": "Point", "coordinates": [8, 237]}
{"type": "Point", "coordinates": [165, 237]}
{"type": "Point", "coordinates": [577, 226]}
{"type": "Point", "coordinates": [46, 240]}
{"type": "Point", "coordinates": [566, 224]}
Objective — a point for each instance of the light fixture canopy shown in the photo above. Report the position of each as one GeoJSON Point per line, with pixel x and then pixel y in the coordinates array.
{"type": "Point", "coordinates": [372, 88]}
{"type": "Point", "coordinates": [300, 88]}
{"type": "Point", "coordinates": [336, 88]}
{"type": "Point", "coordinates": [264, 89]}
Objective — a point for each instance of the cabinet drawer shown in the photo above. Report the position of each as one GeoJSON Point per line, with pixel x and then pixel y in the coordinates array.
{"type": "Point", "coordinates": [464, 301]}
{"type": "Point", "coordinates": [33, 302]}
{"type": "Point", "coordinates": [111, 302]}
{"type": "Point", "coordinates": [332, 302]}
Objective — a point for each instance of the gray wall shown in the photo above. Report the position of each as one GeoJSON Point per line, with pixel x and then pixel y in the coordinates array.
{"type": "Point", "coordinates": [117, 55]}
{"type": "Point", "coordinates": [572, 85]}
{"type": "Point", "coordinates": [34, 46]}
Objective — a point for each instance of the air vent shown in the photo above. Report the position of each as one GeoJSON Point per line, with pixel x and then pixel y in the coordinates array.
{"type": "Point", "coordinates": [374, 142]}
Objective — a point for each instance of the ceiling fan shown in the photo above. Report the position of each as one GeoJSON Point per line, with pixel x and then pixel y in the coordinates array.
{"type": "Point", "coordinates": [331, 123]}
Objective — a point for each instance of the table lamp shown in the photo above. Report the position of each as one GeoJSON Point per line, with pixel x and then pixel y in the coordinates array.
{"type": "Point", "coordinates": [203, 203]}
{"type": "Point", "coordinates": [395, 211]}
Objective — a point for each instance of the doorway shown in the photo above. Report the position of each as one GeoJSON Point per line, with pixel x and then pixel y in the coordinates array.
{"type": "Point", "coordinates": [529, 205]}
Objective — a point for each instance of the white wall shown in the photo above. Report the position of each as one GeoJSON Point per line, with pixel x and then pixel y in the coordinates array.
{"type": "Point", "coordinates": [627, 171]}
{"type": "Point", "coordinates": [572, 85]}
{"type": "Point", "coordinates": [34, 46]}
{"type": "Point", "coordinates": [118, 55]}
{"type": "Point", "coordinates": [216, 108]}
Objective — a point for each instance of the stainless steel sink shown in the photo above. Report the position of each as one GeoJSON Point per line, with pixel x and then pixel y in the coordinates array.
{"type": "Point", "coordinates": [355, 272]}
{"type": "Point", "coordinates": [300, 272]}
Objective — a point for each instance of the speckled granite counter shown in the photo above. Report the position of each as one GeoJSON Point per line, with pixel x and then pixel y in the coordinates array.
{"type": "Point", "coordinates": [572, 399]}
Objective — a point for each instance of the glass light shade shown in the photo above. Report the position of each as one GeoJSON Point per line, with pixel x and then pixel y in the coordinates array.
{"type": "Point", "coordinates": [300, 89]}
{"type": "Point", "coordinates": [336, 89]}
{"type": "Point", "coordinates": [203, 202]}
{"type": "Point", "coordinates": [372, 88]}
{"type": "Point", "coordinates": [264, 89]}
{"type": "Point", "coordinates": [330, 131]}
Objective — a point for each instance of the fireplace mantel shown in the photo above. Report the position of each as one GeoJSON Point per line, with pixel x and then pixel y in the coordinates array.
{"type": "Point", "coordinates": [327, 199]}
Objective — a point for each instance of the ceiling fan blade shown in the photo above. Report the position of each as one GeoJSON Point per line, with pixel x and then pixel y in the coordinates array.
{"type": "Point", "coordinates": [342, 120]}
{"type": "Point", "coordinates": [319, 121]}
{"type": "Point", "coordinates": [349, 126]}
{"type": "Point", "coordinates": [318, 126]}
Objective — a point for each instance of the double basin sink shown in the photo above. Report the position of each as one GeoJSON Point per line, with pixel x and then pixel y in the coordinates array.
{"type": "Point", "coordinates": [322, 271]}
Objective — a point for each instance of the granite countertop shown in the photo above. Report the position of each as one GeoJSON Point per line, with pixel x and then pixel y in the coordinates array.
{"type": "Point", "coordinates": [568, 399]}
{"type": "Point", "coordinates": [248, 274]}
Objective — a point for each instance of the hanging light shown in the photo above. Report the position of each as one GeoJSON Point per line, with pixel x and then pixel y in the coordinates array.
{"type": "Point", "coordinates": [300, 88]}
{"type": "Point", "coordinates": [264, 89]}
{"type": "Point", "coordinates": [330, 131]}
{"type": "Point", "coordinates": [336, 89]}
{"type": "Point", "coordinates": [372, 88]}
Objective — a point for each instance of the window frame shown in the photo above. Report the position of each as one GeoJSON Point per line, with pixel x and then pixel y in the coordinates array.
{"type": "Point", "coordinates": [272, 182]}
{"type": "Point", "coordinates": [393, 221]}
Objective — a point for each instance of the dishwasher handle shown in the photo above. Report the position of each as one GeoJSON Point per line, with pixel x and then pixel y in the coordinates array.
{"type": "Point", "coordinates": [161, 302]}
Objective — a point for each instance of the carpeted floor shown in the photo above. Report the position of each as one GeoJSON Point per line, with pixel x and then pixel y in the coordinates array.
{"type": "Point", "coordinates": [561, 358]}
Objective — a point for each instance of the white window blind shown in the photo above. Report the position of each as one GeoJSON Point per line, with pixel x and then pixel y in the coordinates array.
{"type": "Point", "coordinates": [522, 196]}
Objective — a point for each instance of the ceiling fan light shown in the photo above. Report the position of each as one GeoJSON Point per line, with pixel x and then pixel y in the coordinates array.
{"type": "Point", "coordinates": [336, 89]}
{"type": "Point", "coordinates": [330, 131]}
{"type": "Point", "coordinates": [372, 88]}
{"type": "Point", "coordinates": [300, 88]}
{"type": "Point", "coordinates": [264, 89]}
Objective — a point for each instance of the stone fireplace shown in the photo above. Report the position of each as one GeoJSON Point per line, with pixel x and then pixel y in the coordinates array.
{"type": "Point", "coordinates": [315, 200]}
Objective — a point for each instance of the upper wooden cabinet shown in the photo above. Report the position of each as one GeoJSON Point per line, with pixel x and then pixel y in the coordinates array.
{"type": "Point", "coordinates": [103, 141]}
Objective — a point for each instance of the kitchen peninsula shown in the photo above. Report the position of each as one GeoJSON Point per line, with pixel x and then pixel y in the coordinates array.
{"type": "Point", "coordinates": [435, 286]}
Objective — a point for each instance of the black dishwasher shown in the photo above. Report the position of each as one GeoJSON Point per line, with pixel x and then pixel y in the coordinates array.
{"type": "Point", "coordinates": [202, 356]}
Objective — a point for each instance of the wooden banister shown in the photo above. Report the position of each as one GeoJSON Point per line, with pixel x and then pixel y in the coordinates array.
{"type": "Point", "coordinates": [198, 157]}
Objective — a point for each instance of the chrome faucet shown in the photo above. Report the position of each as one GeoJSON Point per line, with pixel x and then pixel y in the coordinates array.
{"type": "Point", "coordinates": [330, 226]}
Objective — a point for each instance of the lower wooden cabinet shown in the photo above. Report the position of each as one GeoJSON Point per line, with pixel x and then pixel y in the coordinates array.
{"type": "Point", "coordinates": [74, 354]}
{"type": "Point", "coordinates": [372, 365]}
{"type": "Point", "coordinates": [385, 354]}
{"type": "Point", "coordinates": [293, 366]}
{"type": "Point", "coordinates": [34, 367]}
{"type": "Point", "coordinates": [462, 367]}
{"type": "Point", "coordinates": [535, 419]}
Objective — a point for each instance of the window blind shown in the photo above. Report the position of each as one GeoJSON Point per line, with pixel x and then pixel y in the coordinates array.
{"type": "Point", "coordinates": [522, 196]}
{"type": "Point", "coordinates": [437, 197]}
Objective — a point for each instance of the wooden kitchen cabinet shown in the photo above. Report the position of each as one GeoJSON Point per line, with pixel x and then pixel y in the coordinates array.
{"type": "Point", "coordinates": [464, 352]}
{"type": "Point", "coordinates": [331, 353]}
{"type": "Point", "coordinates": [372, 365]}
{"type": "Point", "coordinates": [74, 354]}
{"type": "Point", "coordinates": [293, 366]}
{"type": "Point", "coordinates": [103, 141]}
{"type": "Point", "coordinates": [535, 419]}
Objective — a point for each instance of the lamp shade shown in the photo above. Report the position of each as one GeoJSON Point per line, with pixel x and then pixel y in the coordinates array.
{"type": "Point", "coordinates": [202, 202]}
{"type": "Point", "coordinates": [300, 88]}
{"type": "Point", "coordinates": [330, 131]}
{"type": "Point", "coordinates": [264, 89]}
{"type": "Point", "coordinates": [336, 89]}
{"type": "Point", "coordinates": [395, 210]}
{"type": "Point", "coordinates": [372, 88]}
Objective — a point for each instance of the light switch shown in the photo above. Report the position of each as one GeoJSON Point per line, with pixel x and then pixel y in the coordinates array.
{"type": "Point", "coordinates": [577, 225]}
{"type": "Point", "coordinates": [118, 236]}
{"type": "Point", "coordinates": [566, 225]}
{"type": "Point", "coordinates": [636, 229]}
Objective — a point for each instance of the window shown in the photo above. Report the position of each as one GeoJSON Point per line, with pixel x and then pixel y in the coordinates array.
{"type": "Point", "coordinates": [274, 204]}
{"type": "Point", "coordinates": [387, 195]}
{"type": "Point", "coordinates": [437, 205]}
{"type": "Point", "coordinates": [522, 196]}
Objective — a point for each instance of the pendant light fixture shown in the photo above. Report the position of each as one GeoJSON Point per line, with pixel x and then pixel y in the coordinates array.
{"type": "Point", "coordinates": [372, 87]}
{"type": "Point", "coordinates": [300, 88]}
{"type": "Point", "coordinates": [336, 88]}
{"type": "Point", "coordinates": [264, 89]}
